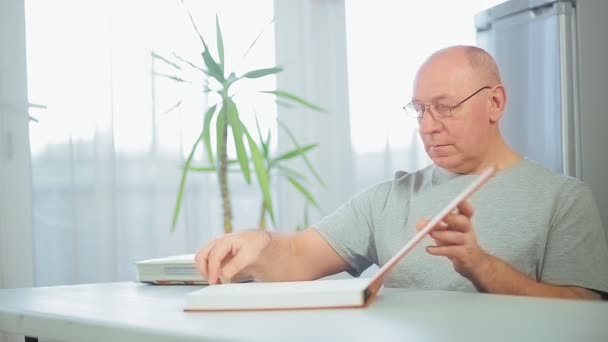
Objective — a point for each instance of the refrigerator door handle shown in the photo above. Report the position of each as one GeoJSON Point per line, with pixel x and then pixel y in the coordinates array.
{"type": "Point", "coordinates": [569, 94]}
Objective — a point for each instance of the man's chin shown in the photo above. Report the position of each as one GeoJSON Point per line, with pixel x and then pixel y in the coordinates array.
{"type": "Point", "coordinates": [449, 163]}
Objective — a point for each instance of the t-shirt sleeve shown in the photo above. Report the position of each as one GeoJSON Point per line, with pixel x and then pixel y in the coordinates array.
{"type": "Point", "coordinates": [349, 229]}
{"type": "Point", "coordinates": [576, 253]}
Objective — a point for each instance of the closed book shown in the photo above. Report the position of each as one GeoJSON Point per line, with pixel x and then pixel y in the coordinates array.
{"type": "Point", "coordinates": [175, 269]}
{"type": "Point", "coordinates": [172, 270]}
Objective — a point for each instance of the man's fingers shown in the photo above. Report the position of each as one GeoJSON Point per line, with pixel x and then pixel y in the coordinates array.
{"type": "Point", "coordinates": [216, 256]}
{"type": "Point", "coordinates": [421, 223]}
{"type": "Point", "coordinates": [446, 251]}
{"type": "Point", "coordinates": [465, 208]}
{"type": "Point", "coordinates": [201, 259]}
{"type": "Point", "coordinates": [458, 222]}
{"type": "Point", "coordinates": [234, 266]}
{"type": "Point", "coordinates": [446, 237]}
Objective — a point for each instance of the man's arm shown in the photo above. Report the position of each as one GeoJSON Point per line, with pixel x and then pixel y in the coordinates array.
{"type": "Point", "coordinates": [269, 256]}
{"type": "Point", "coordinates": [456, 240]}
{"type": "Point", "coordinates": [309, 257]}
{"type": "Point", "coordinates": [496, 276]}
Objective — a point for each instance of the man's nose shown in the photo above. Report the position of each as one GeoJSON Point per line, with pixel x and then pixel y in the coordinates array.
{"type": "Point", "coordinates": [428, 122]}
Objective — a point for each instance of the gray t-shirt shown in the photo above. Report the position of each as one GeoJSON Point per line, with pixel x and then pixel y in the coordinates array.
{"type": "Point", "coordinates": [543, 224]}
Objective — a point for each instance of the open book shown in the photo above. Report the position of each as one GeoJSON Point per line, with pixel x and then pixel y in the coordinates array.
{"type": "Point", "coordinates": [339, 293]}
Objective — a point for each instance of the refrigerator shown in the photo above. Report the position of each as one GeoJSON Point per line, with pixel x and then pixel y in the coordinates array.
{"type": "Point", "coordinates": [553, 58]}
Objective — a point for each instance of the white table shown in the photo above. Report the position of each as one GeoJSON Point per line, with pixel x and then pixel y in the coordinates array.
{"type": "Point", "coordinates": [134, 312]}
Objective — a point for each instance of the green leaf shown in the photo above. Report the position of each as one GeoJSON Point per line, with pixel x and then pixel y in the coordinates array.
{"type": "Point", "coordinates": [265, 145]}
{"type": "Point", "coordinates": [188, 62]}
{"type": "Point", "coordinates": [294, 153]}
{"type": "Point", "coordinates": [303, 191]}
{"type": "Point", "coordinates": [262, 173]}
{"type": "Point", "coordinates": [289, 172]}
{"type": "Point", "coordinates": [292, 97]}
{"type": "Point", "coordinates": [194, 24]}
{"type": "Point", "coordinates": [202, 169]}
{"type": "Point", "coordinates": [284, 104]}
{"type": "Point", "coordinates": [237, 134]}
{"type": "Point", "coordinates": [231, 79]}
{"type": "Point", "coordinates": [220, 43]}
{"type": "Point", "coordinates": [213, 69]}
{"type": "Point", "coordinates": [207, 133]}
{"type": "Point", "coordinates": [257, 37]}
{"type": "Point", "coordinates": [163, 59]}
{"type": "Point", "coordinates": [306, 160]}
{"type": "Point", "coordinates": [262, 72]}
{"type": "Point", "coordinates": [171, 77]}
{"type": "Point", "coordinates": [182, 184]}
{"type": "Point", "coordinates": [174, 107]}
{"type": "Point", "coordinates": [306, 220]}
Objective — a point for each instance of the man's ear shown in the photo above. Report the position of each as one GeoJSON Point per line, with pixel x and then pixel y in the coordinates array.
{"type": "Point", "coordinates": [497, 103]}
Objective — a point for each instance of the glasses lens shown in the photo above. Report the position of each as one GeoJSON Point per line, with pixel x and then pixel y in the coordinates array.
{"type": "Point", "coordinates": [440, 110]}
{"type": "Point", "coordinates": [413, 109]}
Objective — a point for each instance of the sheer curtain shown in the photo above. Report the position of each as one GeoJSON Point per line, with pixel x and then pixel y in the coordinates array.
{"type": "Point", "coordinates": [105, 151]}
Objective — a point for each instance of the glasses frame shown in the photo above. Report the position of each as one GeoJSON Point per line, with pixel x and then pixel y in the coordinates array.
{"type": "Point", "coordinates": [433, 113]}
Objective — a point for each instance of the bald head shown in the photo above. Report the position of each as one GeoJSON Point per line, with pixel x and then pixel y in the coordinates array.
{"type": "Point", "coordinates": [479, 62]}
{"type": "Point", "coordinates": [466, 79]}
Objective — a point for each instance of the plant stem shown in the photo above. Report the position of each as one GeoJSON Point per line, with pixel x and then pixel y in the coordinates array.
{"type": "Point", "coordinates": [223, 176]}
{"type": "Point", "coordinates": [262, 222]}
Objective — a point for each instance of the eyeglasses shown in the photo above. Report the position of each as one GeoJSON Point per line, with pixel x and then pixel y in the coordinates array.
{"type": "Point", "coordinates": [439, 111]}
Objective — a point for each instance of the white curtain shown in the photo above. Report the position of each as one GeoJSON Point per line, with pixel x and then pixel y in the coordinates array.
{"type": "Point", "coordinates": [105, 154]}
{"type": "Point", "coordinates": [311, 43]}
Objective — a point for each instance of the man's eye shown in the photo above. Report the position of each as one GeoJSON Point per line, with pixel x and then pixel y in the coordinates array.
{"type": "Point", "coordinates": [441, 108]}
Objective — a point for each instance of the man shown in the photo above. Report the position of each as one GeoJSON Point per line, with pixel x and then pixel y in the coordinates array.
{"type": "Point", "coordinates": [534, 232]}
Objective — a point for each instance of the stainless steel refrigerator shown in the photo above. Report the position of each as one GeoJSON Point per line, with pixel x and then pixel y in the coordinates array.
{"type": "Point", "coordinates": [553, 58]}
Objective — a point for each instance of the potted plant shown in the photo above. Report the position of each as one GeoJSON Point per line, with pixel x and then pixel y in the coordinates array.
{"type": "Point", "coordinates": [252, 156]}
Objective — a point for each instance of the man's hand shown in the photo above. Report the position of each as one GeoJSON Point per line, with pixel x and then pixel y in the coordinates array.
{"type": "Point", "coordinates": [456, 240]}
{"type": "Point", "coordinates": [225, 257]}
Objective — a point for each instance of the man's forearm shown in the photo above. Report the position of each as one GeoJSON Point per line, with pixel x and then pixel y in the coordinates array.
{"type": "Point", "coordinates": [302, 256]}
{"type": "Point", "coordinates": [496, 276]}
{"type": "Point", "coordinates": [276, 261]}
